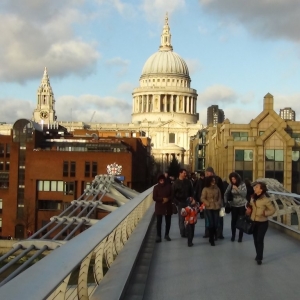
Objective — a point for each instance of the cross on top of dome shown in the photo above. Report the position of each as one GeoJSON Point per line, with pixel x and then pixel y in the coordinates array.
{"type": "Point", "coordinates": [165, 41]}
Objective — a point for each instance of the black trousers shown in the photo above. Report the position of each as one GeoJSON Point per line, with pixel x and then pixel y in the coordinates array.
{"type": "Point", "coordinates": [260, 229]}
{"type": "Point", "coordinates": [190, 229]}
{"type": "Point", "coordinates": [159, 223]}
{"type": "Point", "coordinates": [235, 213]}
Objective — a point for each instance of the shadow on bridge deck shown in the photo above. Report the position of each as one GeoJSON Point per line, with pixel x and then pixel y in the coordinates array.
{"type": "Point", "coordinates": [226, 271]}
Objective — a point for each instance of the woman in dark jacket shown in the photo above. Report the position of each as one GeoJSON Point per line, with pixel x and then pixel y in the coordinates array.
{"type": "Point", "coordinates": [237, 191]}
{"type": "Point", "coordinates": [163, 207]}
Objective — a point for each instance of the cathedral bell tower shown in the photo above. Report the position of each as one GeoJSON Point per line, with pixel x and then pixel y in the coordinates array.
{"type": "Point", "coordinates": [44, 111]}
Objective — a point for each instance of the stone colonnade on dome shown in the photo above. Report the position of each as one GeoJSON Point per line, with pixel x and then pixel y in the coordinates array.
{"type": "Point", "coordinates": [164, 103]}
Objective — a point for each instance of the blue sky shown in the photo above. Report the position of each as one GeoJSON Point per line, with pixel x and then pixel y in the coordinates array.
{"type": "Point", "coordinates": [94, 50]}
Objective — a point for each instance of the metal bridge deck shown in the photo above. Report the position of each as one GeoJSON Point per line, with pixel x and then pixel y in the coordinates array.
{"type": "Point", "coordinates": [226, 271]}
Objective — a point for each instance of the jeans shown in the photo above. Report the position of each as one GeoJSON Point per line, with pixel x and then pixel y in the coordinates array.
{"type": "Point", "coordinates": [213, 218]}
{"type": "Point", "coordinates": [260, 229]}
{"type": "Point", "coordinates": [190, 229]}
{"type": "Point", "coordinates": [159, 223]}
{"type": "Point", "coordinates": [235, 213]}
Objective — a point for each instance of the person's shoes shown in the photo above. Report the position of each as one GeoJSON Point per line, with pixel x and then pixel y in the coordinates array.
{"type": "Point", "coordinates": [158, 239]}
{"type": "Point", "coordinates": [167, 238]}
{"type": "Point", "coordinates": [232, 238]}
{"type": "Point", "coordinates": [183, 236]}
{"type": "Point", "coordinates": [221, 237]}
{"type": "Point", "coordinates": [259, 262]}
{"type": "Point", "coordinates": [240, 240]}
{"type": "Point", "coordinates": [212, 243]}
{"type": "Point", "coordinates": [190, 245]}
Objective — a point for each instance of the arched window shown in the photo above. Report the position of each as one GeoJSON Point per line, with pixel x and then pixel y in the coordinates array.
{"type": "Point", "coordinates": [172, 138]}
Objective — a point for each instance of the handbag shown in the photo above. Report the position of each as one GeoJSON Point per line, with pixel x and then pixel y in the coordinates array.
{"type": "Point", "coordinates": [174, 209]}
{"type": "Point", "coordinates": [227, 208]}
{"type": "Point", "coordinates": [245, 224]}
{"type": "Point", "coordinates": [222, 212]}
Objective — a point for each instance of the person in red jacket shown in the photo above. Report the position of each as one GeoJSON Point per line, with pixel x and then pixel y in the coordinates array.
{"type": "Point", "coordinates": [162, 193]}
{"type": "Point", "coordinates": [190, 219]}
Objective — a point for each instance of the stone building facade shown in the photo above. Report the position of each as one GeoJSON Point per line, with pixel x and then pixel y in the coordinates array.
{"type": "Point", "coordinates": [266, 147]}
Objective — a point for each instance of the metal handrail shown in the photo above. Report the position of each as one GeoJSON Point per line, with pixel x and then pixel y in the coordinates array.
{"type": "Point", "coordinates": [103, 239]}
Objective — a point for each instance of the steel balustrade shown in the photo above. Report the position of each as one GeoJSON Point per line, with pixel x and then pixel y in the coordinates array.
{"type": "Point", "coordinates": [94, 249]}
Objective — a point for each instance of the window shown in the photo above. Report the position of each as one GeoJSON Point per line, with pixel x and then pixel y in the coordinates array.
{"type": "Point", "coordinates": [274, 164]}
{"type": "Point", "coordinates": [1, 201]}
{"type": "Point", "coordinates": [1, 223]}
{"type": "Point", "coordinates": [52, 186]}
{"type": "Point", "coordinates": [1, 150]}
{"type": "Point", "coordinates": [7, 166]}
{"type": "Point", "coordinates": [49, 204]}
{"type": "Point", "coordinates": [65, 168]}
{"type": "Point", "coordinates": [94, 168]}
{"type": "Point", "coordinates": [7, 150]}
{"type": "Point", "coordinates": [73, 169]}
{"type": "Point", "coordinates": [171, 138]}
{"type": "Point", "coordinates": [1, 165]}
{"type": "Point", "coordinates": [87, 169]}
{"type": "Point", "coordinates": [4, 180]}
{"type": "Point", "coordinates": [240, 136]}
{"type": "Point", "coordinates": [244, 163]}
{"type": "Point", "coordinates": [261, 132]}
{"type": "Point", "coordinates": [69, 188]}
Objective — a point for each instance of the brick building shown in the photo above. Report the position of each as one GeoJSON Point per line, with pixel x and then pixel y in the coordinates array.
{"type": "Point", "coordinates": [43, 169]}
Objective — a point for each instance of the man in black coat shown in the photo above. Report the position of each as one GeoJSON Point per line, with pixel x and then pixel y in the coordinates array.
{"type": "Point", "coordinates": [182, 189]}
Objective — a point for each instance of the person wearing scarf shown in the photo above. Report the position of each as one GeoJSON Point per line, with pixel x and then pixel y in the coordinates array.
{"type": "Point", "coordinates": [259, 209]}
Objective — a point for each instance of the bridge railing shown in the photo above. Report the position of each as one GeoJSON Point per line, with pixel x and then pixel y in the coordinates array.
{"type": "Point", "coordinates": [75, 269]}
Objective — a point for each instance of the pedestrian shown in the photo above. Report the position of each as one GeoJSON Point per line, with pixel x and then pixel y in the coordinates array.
{"type": "Point", "coordinates": [260, 208]}
{"type": "Point", "coordinates": [190, 213]}
{"type": "Point", "coordinates": [219, 233]}
{"type": "Point", "coordinates": [236, 191]}
{"type": "Point", "coordinates": [181, 190]}
{"type": "Point", "coordinates": [162, 193]}
{"type": "Point", "coordinates": [211, 197]}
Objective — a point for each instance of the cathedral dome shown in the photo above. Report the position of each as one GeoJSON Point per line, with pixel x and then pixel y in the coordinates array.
{"type": "Point", "coordinates": [165, 62]}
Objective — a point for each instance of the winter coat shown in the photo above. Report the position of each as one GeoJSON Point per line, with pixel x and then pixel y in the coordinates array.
{"type": "Point", "coordinates": [238, 196]}
{"type": "Point", "coordinates": [181, 190]}
{"type": "Point", "coordinates": [211, 197]}
{"type": "Point", "coordinates": [161, 191]}
{"type": "Point", "coordinates": [190, 214]}
{"type": "Point", "coordinates": [262, 208]}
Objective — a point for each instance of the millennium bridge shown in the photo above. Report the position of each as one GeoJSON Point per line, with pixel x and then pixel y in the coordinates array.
{"type": "Point", "coordinates": [117, 257]}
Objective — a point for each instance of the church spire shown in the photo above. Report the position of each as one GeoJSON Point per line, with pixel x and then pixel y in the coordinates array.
{"type": "Point", "coordinates": [165, 40]}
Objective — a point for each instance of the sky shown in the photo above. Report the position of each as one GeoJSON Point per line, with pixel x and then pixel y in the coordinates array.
{"type": "Point", "coordinates": [94, 50]}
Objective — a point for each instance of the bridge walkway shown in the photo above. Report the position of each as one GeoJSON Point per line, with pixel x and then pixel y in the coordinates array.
{"type": "Point", "coordinates": [226, 271]}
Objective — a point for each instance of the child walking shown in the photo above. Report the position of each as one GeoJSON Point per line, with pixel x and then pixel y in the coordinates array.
{"type": "Point", "coordinates": [190, 213]}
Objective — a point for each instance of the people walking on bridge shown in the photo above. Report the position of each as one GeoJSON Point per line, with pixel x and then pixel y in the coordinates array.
{"type": "Point", "coordinates": [211, 197]}
{"type": "Point", "coordinates": [190, 218]}
{"type": "Point", "coordinates": [235, 194]}
{"type": "Point", "coordinates": [162, 193]}
{"type": "Point", "coordinates": [260, 208]}
{"type": "Point", "coordinates": [182, 189]}
{"type": "Point", "coordinates": [218, 181]}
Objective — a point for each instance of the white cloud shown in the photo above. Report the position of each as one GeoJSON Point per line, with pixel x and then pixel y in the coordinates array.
{"type": "Point", "coordinates": [155, 10]}
{"type": "Point", "coordinates": [107, 109]}
{"type": "Point", "coordinates": [217, 94]}
{"type": "Point", "coordinates": [14, 109]}
{"type": "Point", "coordinates": [276, 19]}
{"type": "Point", "coordinates": [193, 65]}
{"type": "Point", "coordinates": [35, 34]}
